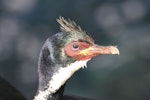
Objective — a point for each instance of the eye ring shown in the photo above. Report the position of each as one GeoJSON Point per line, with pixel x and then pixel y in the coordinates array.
{"type": "Point", "coordinates": [75, 47]}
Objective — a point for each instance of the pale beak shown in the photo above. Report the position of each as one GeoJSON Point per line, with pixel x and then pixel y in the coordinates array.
{"type": "Point", "coordinates": [96, 49]}
{"type": "Point", "coordinates": [99, 50]}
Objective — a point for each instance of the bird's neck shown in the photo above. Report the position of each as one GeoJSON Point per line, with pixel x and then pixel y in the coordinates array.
{"type": "Point", "coordinates": [52, 76]}
{"type": "Point", "coordinates": [45, 95]}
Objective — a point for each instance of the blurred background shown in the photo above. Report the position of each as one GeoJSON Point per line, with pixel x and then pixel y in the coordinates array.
{"type": "Point", "coordinates": [26, 24]}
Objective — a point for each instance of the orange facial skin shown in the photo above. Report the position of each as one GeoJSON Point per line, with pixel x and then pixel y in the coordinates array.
{"type": "Point", "coordinates": [84, 51]}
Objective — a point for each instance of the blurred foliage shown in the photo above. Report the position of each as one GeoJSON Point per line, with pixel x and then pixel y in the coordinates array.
{"type": "Point", "coordinates": [25, 25]}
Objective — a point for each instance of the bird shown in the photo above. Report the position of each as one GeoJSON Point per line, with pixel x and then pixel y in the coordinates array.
{"type": "Point", "coordinates": [61, 55]}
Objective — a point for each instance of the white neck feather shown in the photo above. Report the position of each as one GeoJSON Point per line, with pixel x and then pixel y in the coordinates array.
{"type": "Point", "coordinates": [59, 78]}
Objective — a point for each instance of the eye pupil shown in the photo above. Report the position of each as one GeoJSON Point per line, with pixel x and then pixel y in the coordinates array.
{"type": "Point", "coordinates": [75, 46]}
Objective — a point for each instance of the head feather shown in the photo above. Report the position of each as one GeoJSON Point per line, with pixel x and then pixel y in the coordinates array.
{"type": "Point", "coordinates": [69, 26]}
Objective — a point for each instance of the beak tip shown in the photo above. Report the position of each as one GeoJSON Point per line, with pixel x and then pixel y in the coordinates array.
{"type": "Point", "coordinates": [115, 50]}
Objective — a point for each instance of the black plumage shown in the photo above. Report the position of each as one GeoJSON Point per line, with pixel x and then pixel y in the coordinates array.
{"type": "Point", "coordinates": [8, 92]}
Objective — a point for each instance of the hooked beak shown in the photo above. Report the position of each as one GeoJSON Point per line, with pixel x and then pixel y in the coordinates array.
{"type": "Point", "coordinates": [99, 50]}
{"type": "Point", "coordinates": [96, 49]}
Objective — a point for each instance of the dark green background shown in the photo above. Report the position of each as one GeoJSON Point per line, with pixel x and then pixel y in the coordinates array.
{"type": "Point", "coordinates": [25, 25]}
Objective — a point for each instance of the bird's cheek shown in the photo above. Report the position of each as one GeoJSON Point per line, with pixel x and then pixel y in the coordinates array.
{"type": "Point", "coordinates": [70, 53]}
{"type": "Point", "coordinates": [82, 57]}
{"type": "Point", "coordinates": [74, 55]}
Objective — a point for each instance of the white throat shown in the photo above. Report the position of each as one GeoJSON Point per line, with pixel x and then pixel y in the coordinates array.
{"type": "Point", "coordinates": [59, 78]}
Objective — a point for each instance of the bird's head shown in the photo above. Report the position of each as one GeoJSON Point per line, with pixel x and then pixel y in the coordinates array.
{"type": "Point", "coordinates": [65, 53]}
{"type": "Point", "coordinates": [74, 44]}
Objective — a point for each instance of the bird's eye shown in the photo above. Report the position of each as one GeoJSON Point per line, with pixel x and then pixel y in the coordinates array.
{"type": "Point", "coordinates": [75, 47]}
